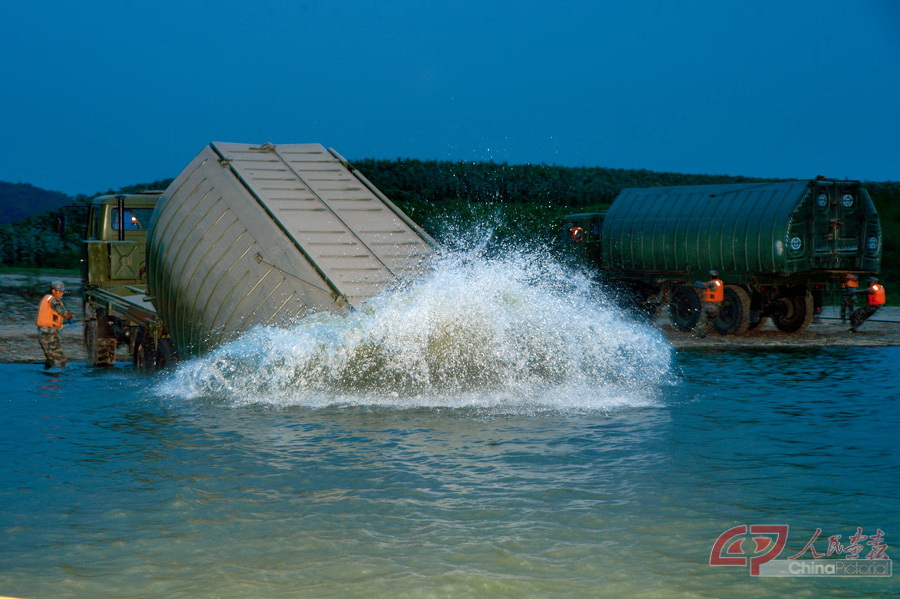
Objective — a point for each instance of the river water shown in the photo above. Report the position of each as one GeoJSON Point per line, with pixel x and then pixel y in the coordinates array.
{"type": "Point", "coordinates": [497, 430]}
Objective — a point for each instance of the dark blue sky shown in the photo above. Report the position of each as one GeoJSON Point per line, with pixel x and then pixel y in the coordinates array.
{"type": "Point", "coordinates": [98, 95]}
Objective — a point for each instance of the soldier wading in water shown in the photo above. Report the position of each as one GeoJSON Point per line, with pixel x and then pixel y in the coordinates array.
{"type": "Point", "coordinates": [51, 314]}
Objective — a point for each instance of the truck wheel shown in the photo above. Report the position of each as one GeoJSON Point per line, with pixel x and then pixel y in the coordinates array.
{"type": "Point", "coordinates": [684, 307]}
{"type": "Point", "coordinates": [144, 352]}
{"type": "Point", "coordinates": [166, 356]}
{"type": "Point", "coordinates": [794, 313]}
{"type": "Point", "coordinates": [99, 340]}
{"type": "Point", "coordinates": [734, 313]}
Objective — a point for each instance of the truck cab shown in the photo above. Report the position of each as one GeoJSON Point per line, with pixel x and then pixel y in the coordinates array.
{"type": "Point", "coordinates": [116, 238]}
{"type": "Point", "coordinates": [583, 232]}
{"type": "Point", "coordinates": [114, 272]}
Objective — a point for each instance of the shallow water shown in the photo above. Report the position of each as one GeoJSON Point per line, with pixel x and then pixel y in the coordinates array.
{"type": "Point", "coordinates": [110, 490]}
{"type": "Point", "coordinates": [597, 463]}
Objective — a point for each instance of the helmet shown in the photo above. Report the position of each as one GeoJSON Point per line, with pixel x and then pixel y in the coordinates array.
{"type": "Point", "coordinates": [873, 279]}
{"type": "Point", "coordinates": [714, 273]}
{"type": "Point", "coordinates": [58, 285]}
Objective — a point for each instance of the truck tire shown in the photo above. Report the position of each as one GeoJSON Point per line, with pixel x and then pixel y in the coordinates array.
{"type": "Point", "coordinates": [166, 356]}
{"type": "Point", "coordinates": [99, 341]}
{"type": "Point", "coordinates": [90, 340]}
{"type": "Point", "coordinates": [734, 313]}
{"type": "Point", "coordinates": [684, 307]}
{"type": "Point", "coordinates": [144, 352]}
{"type": "Point", "coordinates": [794, 312]}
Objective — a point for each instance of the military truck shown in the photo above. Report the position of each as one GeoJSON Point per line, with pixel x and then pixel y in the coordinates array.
{"type": "Point", "coordinates": [246, 235]}
{"type": "Point", "coordinates": [114, 274]}
{"type": "Point", "coordinates": [773, 243]}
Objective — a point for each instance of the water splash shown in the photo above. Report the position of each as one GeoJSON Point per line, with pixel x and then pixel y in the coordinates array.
{"type": "Point", "coordinates": [511, 332]}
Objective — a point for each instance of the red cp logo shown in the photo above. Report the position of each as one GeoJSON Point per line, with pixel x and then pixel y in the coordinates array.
{"type": "Point", "coordinates": [728, 549]}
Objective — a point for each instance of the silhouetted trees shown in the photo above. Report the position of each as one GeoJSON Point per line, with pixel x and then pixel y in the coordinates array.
{"type": "Point", "coordinates": [447, 198]}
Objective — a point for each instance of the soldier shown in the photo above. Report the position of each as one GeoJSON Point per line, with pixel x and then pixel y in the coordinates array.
{"type": "Point", "coordinates": [715, 293]}
{"type": "Point", "coordinates": [876, 296]}
{"type": "Point", "coordinates": [51, 313]}
{"type": "Point", "coordinates": [848, 297]}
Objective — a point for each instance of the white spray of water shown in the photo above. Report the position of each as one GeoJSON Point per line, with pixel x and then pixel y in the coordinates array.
{"type": "Point", "coordinates": [516, 332]}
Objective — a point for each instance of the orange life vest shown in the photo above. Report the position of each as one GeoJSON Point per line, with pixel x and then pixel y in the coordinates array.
{"type": "Point", "coordinates": [876, 298]}
{"type": "Point", "coordinates": [47, 316]}
{"type": "Point", "coordinates": [716, 293]}
{"type": "Point", "coordinates": [851, 283]}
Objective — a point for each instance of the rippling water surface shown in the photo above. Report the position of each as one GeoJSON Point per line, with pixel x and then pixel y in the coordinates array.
{"type": "Point", "coordinates": [496, 430]}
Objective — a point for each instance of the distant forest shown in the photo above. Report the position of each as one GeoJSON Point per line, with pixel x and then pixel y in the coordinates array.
{"type": "Point", "coordinates": [445, 198]}
{"type": "Point", "coordinates": [21, 200]}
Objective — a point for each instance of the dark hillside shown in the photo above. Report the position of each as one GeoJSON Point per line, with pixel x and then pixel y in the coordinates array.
{"type": "Point", "coordinates": [51, 237]}
{"type": "Point", "coordinates": [21, 200]}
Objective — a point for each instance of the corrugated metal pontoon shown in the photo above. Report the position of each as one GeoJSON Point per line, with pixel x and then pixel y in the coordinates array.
{"type": "Point", "coordinates": [263, 235]}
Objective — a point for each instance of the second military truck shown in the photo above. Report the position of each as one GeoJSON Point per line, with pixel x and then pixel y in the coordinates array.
{"type": "Point", "coordinates": [773, 244]}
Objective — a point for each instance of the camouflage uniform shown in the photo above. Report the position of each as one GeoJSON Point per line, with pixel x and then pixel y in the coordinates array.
{"type": "Point", "coordinates": [49, 338]}
{"type": "Point", "coordinates": [848, 296]}
{"type": "Point", "coordinates": [848, 304]}
{"type": "Point", "coordinates": [710, 310]}
{"type": "Point", "coordinates": [860, 315]}
{"type": "Point", "coordinates": [708, 316]}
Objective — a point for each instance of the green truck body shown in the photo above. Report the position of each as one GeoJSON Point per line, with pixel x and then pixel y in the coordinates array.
{"type": "Point", "coordinates": [774, 244]}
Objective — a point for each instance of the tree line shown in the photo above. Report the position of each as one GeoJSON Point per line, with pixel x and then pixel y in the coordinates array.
{"type": "Point", "coordinates": [54, 239]}
{"type": "Point", "coordinates": [408, 180]}
{"type": "Point", "coordinates": [445, 198]}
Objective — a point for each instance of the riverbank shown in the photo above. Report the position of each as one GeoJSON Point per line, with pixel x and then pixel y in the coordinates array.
{"type": "Point", "coordinates": [882, 330]}
{"type": "Point", "coordinates": [19, 339]}
{"type": "Point", "coordinates": [19, 297]}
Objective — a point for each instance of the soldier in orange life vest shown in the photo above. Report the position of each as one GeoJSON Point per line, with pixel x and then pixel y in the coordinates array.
{"type": "Point", "coordinates": [51, 314]}
{"type": "Point", "coordinates": [876, 296]}
{"type": "Point", "coordinates": [713, 296]}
